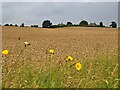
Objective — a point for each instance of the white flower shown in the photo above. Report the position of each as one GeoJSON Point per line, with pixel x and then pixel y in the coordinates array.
{"type": "Point", "coordinates": [26, 43]}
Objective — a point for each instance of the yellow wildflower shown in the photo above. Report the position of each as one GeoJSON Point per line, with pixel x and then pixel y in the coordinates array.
{"type": "Point", "coordinates": [51, 51]}
{"type": "Point", "coordinates": [5, 52]}
{"type": "Point", "coordinates": [78, 66]}
{"type": "Point", "coordinates": [69, 58]}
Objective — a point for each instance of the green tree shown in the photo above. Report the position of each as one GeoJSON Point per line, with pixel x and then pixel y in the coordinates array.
{"type": "Point", "coordinates": [101, 24]}
{"type": "Point", "coordinates": [83, 23]}
{"type": "Point", "coordinates": [16, 25]}
{"type": "Point", "coordinates": [69, 23]}
{"type": "Point", "coordinates": [6, 25]}
{"type": "Point", "coordinates": [34, 25]}
{"type": "Point", "coordinates": [22, 25]}
{"type": "Point", "coordinates": [46, 24]}
{"type": "Point", "coordinates": [11, 25]}
{"type": "Point", "coordinates": [114, 24]}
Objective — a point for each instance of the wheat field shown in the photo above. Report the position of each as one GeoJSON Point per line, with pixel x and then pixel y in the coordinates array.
{"type": "Point", "coordinates": [96, 49]}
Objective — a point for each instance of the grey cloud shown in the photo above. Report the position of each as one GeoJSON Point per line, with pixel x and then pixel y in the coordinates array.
{"type": "Point", "coordinates": [0, 13]}
{"type": "Point", "coordinates": [60, 0]}
{"type": "Point", "coordinates": [57, 12]}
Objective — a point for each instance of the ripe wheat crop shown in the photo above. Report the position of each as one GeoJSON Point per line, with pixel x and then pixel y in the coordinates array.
{"type": "Point", "coordinates": [71, 57]}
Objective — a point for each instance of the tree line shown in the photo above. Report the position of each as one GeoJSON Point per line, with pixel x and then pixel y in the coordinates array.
{"type": "Point", "coordinates": [48, 24]}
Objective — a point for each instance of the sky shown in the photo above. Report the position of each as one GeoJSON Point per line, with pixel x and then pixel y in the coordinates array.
{"type": "Point", "coordinates": [59, 0]}
{"type": "Point", "coordinates": [59, 12]}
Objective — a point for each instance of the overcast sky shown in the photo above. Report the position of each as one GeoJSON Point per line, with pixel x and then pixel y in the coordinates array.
{"type": "Point", "coordinates": [60, 0]}
{"type": "Point", "coordinates": [59, 12]}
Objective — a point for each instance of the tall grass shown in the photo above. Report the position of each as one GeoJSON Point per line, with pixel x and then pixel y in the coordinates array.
{"type": "Point", "coordinates": [99, 72]}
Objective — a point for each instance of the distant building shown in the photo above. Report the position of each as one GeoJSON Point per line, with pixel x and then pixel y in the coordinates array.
{"type": "Point", "coordinates": [93, 24]}
{"type": "Point", "coordinates": [61, 24]}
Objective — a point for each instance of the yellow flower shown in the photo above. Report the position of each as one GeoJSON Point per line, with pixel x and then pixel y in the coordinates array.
{"type": "Point", "coordinates": [78, 66]}
{"type": "Point", "coordinates": [69, 58]}
{"type": "Point", "coordinates": [51, 51]}
{"type": "Point", "coordinates": [5, 52]}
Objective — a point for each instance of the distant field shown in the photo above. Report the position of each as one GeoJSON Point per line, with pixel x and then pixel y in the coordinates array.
{"type": "Point", "coordinates": [30, 67]}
